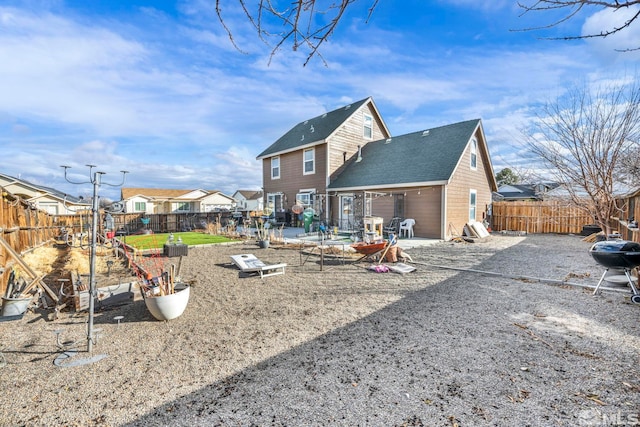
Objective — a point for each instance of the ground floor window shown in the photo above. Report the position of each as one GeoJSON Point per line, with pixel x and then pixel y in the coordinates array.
{"type": "Point", "coordinates": [472, 205]}
{"type": "Point", "coordinates": [305, 198]}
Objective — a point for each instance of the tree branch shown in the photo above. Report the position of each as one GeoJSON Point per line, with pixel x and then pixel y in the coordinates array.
{"type": "Point", "coordinates": [573, 7]}
{"type": "Point", "coordinates": [298, 21]}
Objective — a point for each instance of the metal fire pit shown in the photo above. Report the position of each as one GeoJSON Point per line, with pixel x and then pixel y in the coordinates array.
{"type": "Point", "coordinates": [618, 254]}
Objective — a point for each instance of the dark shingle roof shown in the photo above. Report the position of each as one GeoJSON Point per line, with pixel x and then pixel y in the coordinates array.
{"type": "Point", "coordinates": [526, 191]}
{"type": "Point", "coordinates": [419, 157]}
{"type": "Point", "coordinates": [317, 129]}
{"type": "Point", "coordinates": [517, 191]}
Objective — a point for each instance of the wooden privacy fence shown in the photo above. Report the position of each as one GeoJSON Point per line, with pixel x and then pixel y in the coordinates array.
{"type": "Point", "coordinates": [22, 228]}
{"type": "Point", "coordinates": [538, 217]}
{"type": "Point", "coordinates": [130, 223]}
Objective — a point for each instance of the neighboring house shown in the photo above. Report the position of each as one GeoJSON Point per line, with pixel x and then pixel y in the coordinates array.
{"type": "Point", "coordinates": [44, 198]}
{"type": "Point", "coordinates": [158, 201]}
{"type": "Point", "coordinates": [441, 177]}
{"type": "Point", "coordinates": [513, 192]}
{"type": "Point", "coordinates": [248, 200]}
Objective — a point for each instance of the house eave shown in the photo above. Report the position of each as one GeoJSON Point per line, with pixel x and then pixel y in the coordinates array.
{"type": "Point", "coordinates": [385, 186]}
{"type": "Point", "coordinates": [296, 148]}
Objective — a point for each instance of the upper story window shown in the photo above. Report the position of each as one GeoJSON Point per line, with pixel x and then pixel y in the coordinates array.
{"type": "Point", "coordinates": [140, 206]}
{"type": "Point", "coordinates": [368, 126]}
{"type": "Point", "coordinates": [275, 167]}
{"type": "Point", "coordinates": [474, 153]}
{"type": "Point", "coordinates": [309, 166]}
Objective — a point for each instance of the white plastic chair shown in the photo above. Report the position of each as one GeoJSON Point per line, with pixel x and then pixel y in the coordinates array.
{"type": "Point", "coordinates": [406, 227]}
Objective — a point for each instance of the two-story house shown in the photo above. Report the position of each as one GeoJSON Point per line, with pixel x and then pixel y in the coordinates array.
{"type": "Point", "coordinates": [299, 166]}
{"type": "Point", "coordinates": [353, 168]}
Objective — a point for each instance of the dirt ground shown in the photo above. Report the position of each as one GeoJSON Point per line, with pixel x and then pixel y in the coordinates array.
{"type": "Point", "coordinates": [500, 332]}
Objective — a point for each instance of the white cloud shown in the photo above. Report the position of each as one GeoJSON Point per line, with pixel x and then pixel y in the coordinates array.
{"type": "Point", "coordinates": [607, 20]}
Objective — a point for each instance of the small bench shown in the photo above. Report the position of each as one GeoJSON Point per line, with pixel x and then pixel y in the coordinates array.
{"type": "Point", "coordinates": [248, 263]}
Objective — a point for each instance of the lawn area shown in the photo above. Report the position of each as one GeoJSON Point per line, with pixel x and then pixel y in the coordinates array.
{"type": "Point", "coordinates": [156, 241]}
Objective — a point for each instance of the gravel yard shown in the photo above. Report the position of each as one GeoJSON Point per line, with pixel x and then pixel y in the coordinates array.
{"type": "Point", "coordinates": [494, 346]}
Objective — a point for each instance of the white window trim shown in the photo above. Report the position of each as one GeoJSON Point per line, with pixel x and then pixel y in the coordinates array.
{"type": "Point", "coordinates": [178, 204]}
{"type": "Point", "coordinates": [279, 167]}
{"type": "Point", "coordinates": [310, 192]}
{"type": "Point", "coordinates": [365, 127]}
{"type": "Point", "coordinates": [474, 154]}
{"type": "Point", "coordinates": [475, 204]}
{"type": "Point", "coordinates": [313, 160]}
{"type": "Point", "coordinates": [271, 202]}
{"type": "Point", "coordinates": [135, 207]}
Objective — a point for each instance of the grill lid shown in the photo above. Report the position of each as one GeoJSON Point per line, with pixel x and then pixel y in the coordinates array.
{"type": "Point", "coordinates": [616, 253]}
{"type": "Point", "coordinates": [615, 246]}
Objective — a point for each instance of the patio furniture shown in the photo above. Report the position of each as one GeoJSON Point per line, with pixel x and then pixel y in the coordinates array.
{"type": "Point", "coordinates": [406, 227]}
{"type": "Point", "coordinates": [373, 225]}
{"type": "Point", "coordinates": [248, 263]}
{"type": "Point", "coordinates": [392, 227]}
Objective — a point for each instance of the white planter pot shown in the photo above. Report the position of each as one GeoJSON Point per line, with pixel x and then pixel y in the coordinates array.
{"type": "Point", "coordinates": [167, 307]}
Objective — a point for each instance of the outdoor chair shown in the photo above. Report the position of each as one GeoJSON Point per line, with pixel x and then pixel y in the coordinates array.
{"type": "Point", "coordinates": [406, 227]}
{"type": "Point", "coordinates": [392, 227]}
{"type": "Point", "coordinates": [248, 263]}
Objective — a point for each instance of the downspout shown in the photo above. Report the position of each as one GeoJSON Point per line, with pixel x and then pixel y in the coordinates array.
{"type": "Point", "coordinates": [327, 177]}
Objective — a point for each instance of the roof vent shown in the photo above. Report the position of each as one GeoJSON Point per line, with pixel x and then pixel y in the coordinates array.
{"type": "Point", "coordinates": [425, 133]}
{"type": "Point", "coordinates": [387, 141]}
{"type": "Point", "coordinates": [306, 121]}
{"type": "Point", "coordinates": [324, 115]}
{"type": "Point", "coordinates": [359, 159]}
{"type": "Point", "coordinates": [347, 107]}
{"type": "Point", "coordinates": [312, 129]}
{"type": "Point", "coordinates": [302, 139]}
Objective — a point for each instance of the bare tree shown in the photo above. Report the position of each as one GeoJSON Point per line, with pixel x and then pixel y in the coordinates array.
{"type": "Point", "coordinates": [583, 139]}
{"type": "Point", "coordinates": [571, 8]}
{"type": "Point", "coordinates": [307, 23]}
{"type": "Point", "coordinates": [631, 165]}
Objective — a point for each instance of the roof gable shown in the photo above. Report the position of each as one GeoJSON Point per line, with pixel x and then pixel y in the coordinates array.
{"type": "Point", "coordinates": [428, 156]}
{"type": "Point", "coordinates": [248, 194]}
{"type": "Point", "coordinates": [315, 130]}
{"type": "Point", "coordinates": [194, 194]}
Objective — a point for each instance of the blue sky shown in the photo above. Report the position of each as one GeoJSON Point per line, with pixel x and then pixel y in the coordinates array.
{"type": "Point", "coordinates": [156, 87]}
